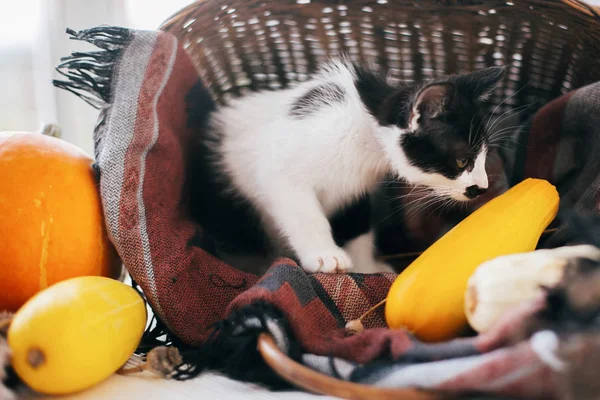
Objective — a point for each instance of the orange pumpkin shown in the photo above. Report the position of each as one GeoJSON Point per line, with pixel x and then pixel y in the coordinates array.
{"type": "Point", "coordinates": [51, 221]}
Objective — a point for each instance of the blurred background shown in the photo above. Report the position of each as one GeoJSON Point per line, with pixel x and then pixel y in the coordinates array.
{"type": "Point", "coordinates": [32, 41]}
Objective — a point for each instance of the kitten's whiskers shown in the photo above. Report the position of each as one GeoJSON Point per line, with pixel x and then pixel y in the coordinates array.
{"type": "Point", "coordinates": [508, 113]}
{"type": "Point", "coordinates": [503, 101]}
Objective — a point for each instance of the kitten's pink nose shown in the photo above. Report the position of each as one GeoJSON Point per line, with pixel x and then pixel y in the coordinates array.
{"type": "Point", "coordinates": [473, 191]}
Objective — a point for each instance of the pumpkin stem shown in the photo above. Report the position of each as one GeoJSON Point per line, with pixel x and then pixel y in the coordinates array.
{"type": "Point", "coordinates": [51, 130]}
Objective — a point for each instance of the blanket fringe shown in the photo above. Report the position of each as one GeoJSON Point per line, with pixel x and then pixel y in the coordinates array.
{"type": "Point", "coordinates": [88, 74]}
{"type": "Point", "coordinates": [156, 333]}
{"type": "Point", "coordinates": [231, 347]}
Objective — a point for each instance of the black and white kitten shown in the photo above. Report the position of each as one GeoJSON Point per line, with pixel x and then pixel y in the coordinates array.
{"type": "Point", "coordinates": [288, 172]}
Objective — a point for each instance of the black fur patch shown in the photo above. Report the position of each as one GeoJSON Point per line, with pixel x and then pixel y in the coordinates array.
{"type": "Point", "coordinates": [431, 153]}
{"type": "Point", "coordinates": [454, 134]}
{"type": "Point", "coordinates": [386, 103]}
{"type": "Point", "coordinates": [449, 121]}
{"type": "Point", "coordinates": [317, 98]}
{"type": "Point", "coordinates": [372, 89]}
{"type": "Point", "coordinates": [351, 221]}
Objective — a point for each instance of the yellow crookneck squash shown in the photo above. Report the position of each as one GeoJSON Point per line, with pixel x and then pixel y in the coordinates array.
{"type": "Point", "coordinates": [428, 297]}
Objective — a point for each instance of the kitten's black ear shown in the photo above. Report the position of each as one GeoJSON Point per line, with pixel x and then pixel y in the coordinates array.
{"type": "Point", "coordinates": [433, 100]}
{"type": "Point", "coordinates": [482, 83]}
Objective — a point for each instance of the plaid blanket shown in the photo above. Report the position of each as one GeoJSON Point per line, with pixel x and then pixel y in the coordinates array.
{"type": "Point", "coordinates": [152, 103]}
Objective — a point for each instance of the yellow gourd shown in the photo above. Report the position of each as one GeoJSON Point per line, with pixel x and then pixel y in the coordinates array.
{"type": "Point", "coordinates": [428, 297]}
{"type": "Point", "coordinates": [76, 333]}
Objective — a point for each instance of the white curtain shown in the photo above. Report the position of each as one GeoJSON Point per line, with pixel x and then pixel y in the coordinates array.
{"type": "Point", "coordinates": [32, 41]}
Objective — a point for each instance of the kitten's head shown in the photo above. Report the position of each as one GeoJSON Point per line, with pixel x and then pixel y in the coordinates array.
{"type": "Point", "coordinates": [443, 135]}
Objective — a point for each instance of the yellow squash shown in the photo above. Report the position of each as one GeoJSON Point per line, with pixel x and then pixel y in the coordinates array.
{"type": "Point", "coordinates": [428, 297]}
{"type": "Point", "coordinates": [76, 333]}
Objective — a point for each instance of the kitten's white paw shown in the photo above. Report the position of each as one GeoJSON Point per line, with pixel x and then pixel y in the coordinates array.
{"type": "Point", "coordinates": [326, 261]}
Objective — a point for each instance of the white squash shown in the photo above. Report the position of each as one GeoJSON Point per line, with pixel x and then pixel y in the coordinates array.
{"type": "Point", "coordinates": [501, 284]}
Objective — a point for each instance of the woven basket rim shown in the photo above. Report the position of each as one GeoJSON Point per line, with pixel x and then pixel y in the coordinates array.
{"type": "Point", "coordinates": [547, 45]}
{"type": "Point", "coordinates": [579, 5]}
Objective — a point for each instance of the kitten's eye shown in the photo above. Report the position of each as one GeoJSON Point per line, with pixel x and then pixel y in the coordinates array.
{"type": "Point", "coordinates": [461, 162]}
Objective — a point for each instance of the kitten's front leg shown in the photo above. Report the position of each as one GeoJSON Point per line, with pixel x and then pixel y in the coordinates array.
{"type": "Point", "coordinates": [300, 218]}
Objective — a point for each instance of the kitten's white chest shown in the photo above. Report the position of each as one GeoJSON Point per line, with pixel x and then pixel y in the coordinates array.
{"type": "Point", "coordinates": [347, 177]}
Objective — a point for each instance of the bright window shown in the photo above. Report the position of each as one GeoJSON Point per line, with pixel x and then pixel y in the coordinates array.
{"type": "Point", "coordinates": [19, 26]}
{"type": "Point", "coordinates": [32, 41]}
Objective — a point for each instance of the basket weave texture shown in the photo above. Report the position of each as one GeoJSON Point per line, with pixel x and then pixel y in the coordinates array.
{"type": "Point", "coordinates": [550, 46]}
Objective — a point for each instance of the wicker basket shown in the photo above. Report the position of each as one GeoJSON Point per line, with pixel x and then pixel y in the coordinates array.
{"type": "Point", "coordinates": [240, 45]}
{"type": "Point", "coordinates": [550, 46]}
